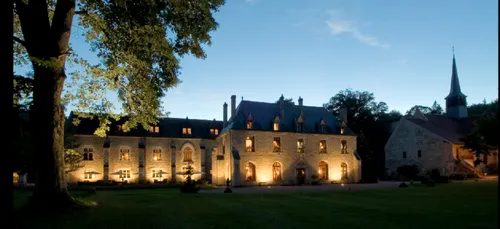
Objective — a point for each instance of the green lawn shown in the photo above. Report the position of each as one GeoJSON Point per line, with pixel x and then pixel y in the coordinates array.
{"type": "Point", "coordinates": [448, 206]}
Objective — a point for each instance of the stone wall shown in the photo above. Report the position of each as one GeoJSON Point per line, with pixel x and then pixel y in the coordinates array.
{"type": "Point", "coordinates": [171, 151]}
{"type": "Point", "coordinates": [96, 165]}
{"type": "Point", "coordinates": [263, 158]}
{"type": "Point", "coordinates": [436, 152]}
{"type": "Point", "coordinates": [220, 160]}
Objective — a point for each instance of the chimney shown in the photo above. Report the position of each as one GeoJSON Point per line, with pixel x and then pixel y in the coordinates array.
{"type": "Point", "coordinates": [233, 105]}
{"type": "Point", "coordinates": [343, 114]}
{"type": "Point", "coordinates": [300, 101]}
{"type": "Point", "coordinates": [224, 115]}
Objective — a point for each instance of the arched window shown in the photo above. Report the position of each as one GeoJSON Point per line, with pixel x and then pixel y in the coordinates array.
{"type": "Point", "coordinates": [343, 172]}
{"type": "Point", "coordinates": [188, 154]}
{"type": "Point", "coordinates": [250, 172]}
{"type": "Point", "coordinates": [323, 171]}
{"type": "Point", "coordinates": [276, 171]}
{"type": "Point", "coordinates": [88, 154]}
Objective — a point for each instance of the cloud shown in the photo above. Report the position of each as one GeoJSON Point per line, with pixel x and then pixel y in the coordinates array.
{"type": "Point", "coordinates": [339, 26]}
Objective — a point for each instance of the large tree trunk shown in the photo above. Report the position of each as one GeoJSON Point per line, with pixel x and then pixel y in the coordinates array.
{"type": "Point", "coordinates": [47, 43]}
{"type": "Point", "coordinates": [49, 136]}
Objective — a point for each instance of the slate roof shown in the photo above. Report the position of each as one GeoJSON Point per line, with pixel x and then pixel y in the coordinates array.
{"type": "Point", "coordinates": [169, 127]}
{"type": "Point", "coordinates": [446, 127]}
{"type": "Point", "coordinates": [264, 113]}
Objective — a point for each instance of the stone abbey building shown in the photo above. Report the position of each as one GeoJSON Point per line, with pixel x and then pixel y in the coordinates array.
{"type": "Point", "coordinates": [270, 143]}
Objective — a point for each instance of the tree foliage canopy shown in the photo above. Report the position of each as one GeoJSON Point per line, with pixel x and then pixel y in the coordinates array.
{"type": "Point", "coordinates": [139, 44]}
{"type": "Point", "coordinates": [484, 136]}
{"type": "Point", "coordinates": [435, 109]}
{"type": "Point", "coordinates": [366, 117]}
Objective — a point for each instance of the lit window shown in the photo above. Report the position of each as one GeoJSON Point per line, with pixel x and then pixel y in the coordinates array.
{"type": "Point", "coordinates": [88, 175]}
{"type": "Point", "coordinates": [300, 146]}
{"type": "Point", "coordinates": [188, 154]}
{"type": "Point", "coordinates": [214, 132]}
{"type": "Point", "coordinates": [250, 172]}
{"type": "Point", "coordinates": [276, 126]}
{"type": "Point", "coordinates": [88, 154]}
{"type": "Point", "coordinates": [124, 154]}
{"type": "Point", "coordinates": [342, 127]}
{"type": "Point", "coordinates": [343, 147]}
{"type": "Point", "coordinates": [343, 171]}
{"type": "Point", "coordinates": [249, 125]}
{"type": "Point", "coordinates": [186, 130]}
{"type": "Point", "coordinates": [276, 144]}
{"type": "Point", "coordinates": [249, 144]}
{"type": "Point", "coordinates": [276, 171]}
{"type": "Point", "coordinates": [154, 129]}
{"type": "Point", "coordinates": [322, 146]}
{"type": "Point", "coordinates": [157, 154]}
{"type": "Point", "coordinates": [157, 174]}
{"type": "Point", "coordinates": [323, 171]}
{"type": "Point", "coordinates": [125, 174]}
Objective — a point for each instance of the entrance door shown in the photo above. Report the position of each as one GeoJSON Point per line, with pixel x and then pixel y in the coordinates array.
{"type": "Point", "coordinates": [301, 176]}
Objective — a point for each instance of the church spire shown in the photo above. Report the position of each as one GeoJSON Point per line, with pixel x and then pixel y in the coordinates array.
{"type": "Point", "coordinates": [456, 104]}
{"type": "Point", "coordinates": [455, 84]}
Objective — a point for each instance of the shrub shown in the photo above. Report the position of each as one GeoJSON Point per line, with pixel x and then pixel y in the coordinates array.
{"type": "Point", "coordinates": [434, 174]}
{"type": "Point", "coordinates": [458, 176]}
{"type": "Point", "coordinates": [443, 180]}
{"type": "Point", "coordinates": [408, 171]}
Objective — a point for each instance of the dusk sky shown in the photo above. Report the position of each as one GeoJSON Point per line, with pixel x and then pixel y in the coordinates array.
{"type": "Point", "coordinates": [399, 50]}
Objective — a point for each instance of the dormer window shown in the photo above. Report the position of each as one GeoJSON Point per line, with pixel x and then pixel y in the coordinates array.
{"type": "Point", "coordinates": [186, 130]}
{"type": "Point", "coordinates": [249, 121]}
{"type": "Point", "coordinates": [300, 123]}
{"type": "Point", "coordinates": [322, 126]}
{"type": "Point", "coordinates": [214, 132]}
{"type": "Point", "coordinates": [276, 123]}
{"type": "Point", "coordinates": [154, 129]}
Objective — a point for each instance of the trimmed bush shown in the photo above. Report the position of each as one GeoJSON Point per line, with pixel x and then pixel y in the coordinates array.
{"type": "Point", "coordinates": [408, 172]}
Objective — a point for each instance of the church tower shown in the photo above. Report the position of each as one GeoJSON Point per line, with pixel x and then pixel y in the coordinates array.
{"type": "Point", "coordinates": [456, 102]}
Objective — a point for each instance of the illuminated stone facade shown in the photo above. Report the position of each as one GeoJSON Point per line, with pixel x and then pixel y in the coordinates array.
{"type": "Point", "coordinates": [265, 143]}
{"type": "Point", "coordinates": [290, 144]}
{"type": "Point", "coordinates": [141, 156]}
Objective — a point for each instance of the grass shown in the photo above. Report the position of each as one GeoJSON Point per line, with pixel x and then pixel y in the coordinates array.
{"type": "Point", "coordinates": [455, 205]}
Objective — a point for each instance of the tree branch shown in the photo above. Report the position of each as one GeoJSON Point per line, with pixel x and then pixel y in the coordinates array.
{"type": "Point", "coordinates": [23, 43]}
